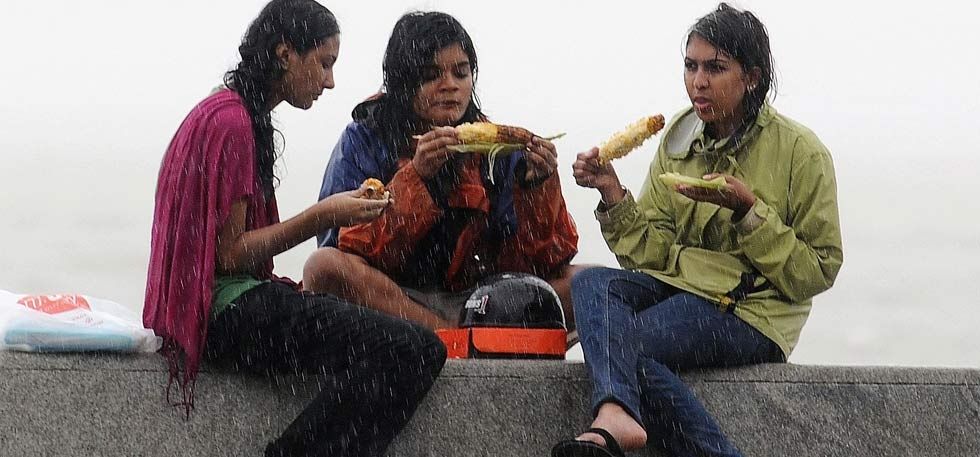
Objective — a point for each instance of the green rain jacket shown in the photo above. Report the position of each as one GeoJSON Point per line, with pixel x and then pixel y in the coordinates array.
{"type": "Point", "coordinates": [767, 266]}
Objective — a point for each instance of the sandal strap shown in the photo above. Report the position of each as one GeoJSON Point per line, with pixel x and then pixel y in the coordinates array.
{"type": "Point", "coordinates": [611, 444]}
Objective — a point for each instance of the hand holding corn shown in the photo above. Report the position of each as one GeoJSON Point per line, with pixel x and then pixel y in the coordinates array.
{"type": "Point", "coordinates": [541, 156]}
{"type": "Point", "coordinates": [592, 168]}
{"type": "Point", "coordinates": [588, 173]}
{"type": "Point", "coordinates": [733, 193]}
{"type": "Point", "coordinates": [433, 151]}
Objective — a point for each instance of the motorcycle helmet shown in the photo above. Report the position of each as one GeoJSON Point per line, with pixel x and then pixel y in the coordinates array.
{"type": "Point", "coordinates": [509, 315]}
{"type": "Point", "coordinates": [513, 300]}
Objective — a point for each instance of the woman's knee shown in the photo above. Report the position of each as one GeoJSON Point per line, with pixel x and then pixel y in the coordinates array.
{"type": "Point", "coordinates": [433, 351]}
{"type": "Point", "coordinates": [413, 343]}
{"type": "Point", "coordinates": [592, 278]}
{"type": "Point", "coordinates": [592, 285]}
{"type": "Point", "coordinates": [417, 350]}
{"type": "Point", "coordinates": [323, 265]}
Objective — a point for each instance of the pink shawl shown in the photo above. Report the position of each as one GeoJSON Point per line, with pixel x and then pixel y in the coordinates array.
{"type": "Point", "coordinates": [209, 165]}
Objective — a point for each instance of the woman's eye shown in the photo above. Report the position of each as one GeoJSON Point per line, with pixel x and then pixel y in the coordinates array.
{"type": "Point", "coordinates": [430, 74]}
{"type": "Point", "coordinates": [690, 66]}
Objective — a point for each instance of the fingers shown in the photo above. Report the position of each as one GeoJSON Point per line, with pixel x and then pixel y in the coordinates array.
{"type": "Point", "coordinates": [432, 150]}
{"type": "Point", "coordinates": [540, 164]}
{"type": "Point", "coordinates": [720, 197]}
{"type": "Point", "coordinates": [545, 154]}
{"type": "Point", "coordinates": [586, 168]}
{"type": "Point", "coordinates": [437, 139]}
{"type": "Point", "coordinates": [369, 210]}
{"type": "Point", "coordinates": [590, 155]}
{"type": "Point", "coordinates": [731, 180]}
{"type": "Point", "coordinates": [589, 159]}
{"type": "Point", "coordinates": [359, 192]}
{"type": "Point", "coordinates": [438, 132]}
{"type": "Point", "coordinates": [436, 144]}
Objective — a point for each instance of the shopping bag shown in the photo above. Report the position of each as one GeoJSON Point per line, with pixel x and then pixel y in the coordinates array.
{"type": "Point", "coordinates": [70, 323]}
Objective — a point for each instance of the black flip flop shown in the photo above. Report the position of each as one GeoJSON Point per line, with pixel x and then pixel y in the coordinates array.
{"type": "Point", "coordinates": [576, 448]}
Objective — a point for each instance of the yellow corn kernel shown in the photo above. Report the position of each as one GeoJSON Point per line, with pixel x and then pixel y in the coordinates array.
{"type": "Point", "coordinates": [627, 140]}
{"type": "Point", "coordinates": [672, 180]}
{"type": "Point", "coordinates": [486, 132]}
{"type": "Point", "coordinates": [477, 132]}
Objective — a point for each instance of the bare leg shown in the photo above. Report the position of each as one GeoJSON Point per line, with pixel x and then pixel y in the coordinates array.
{"type": "Point", "coordinates": [348, 276]}
{"type": "Point", "coordinates": [615, 420]}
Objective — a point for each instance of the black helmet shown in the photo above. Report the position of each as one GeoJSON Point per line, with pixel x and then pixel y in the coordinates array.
{"type": "Point", "coordinates": [513, 300]}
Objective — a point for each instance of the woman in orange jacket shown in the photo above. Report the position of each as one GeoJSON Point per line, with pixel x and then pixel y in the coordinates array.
{"type": "Point", "coordinates": [454, 219]}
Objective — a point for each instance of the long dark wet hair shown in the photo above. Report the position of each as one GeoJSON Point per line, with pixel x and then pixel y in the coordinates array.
{"type": "Point", "coordinates": [300, 24]}
{"type": "Point", "coordinates": [741, 35]}
{"type": "Point", "coordinates": [413, 45]}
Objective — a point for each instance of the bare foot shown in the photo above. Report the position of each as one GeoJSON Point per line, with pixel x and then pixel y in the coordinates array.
{"type": "Point", "coordinates": [614, 419]}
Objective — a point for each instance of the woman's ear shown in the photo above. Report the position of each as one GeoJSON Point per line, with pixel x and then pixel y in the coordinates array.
{"type": "Point", "coordinates": [283, 52]}
{"type": "Point", "coordinates": [752, 78]}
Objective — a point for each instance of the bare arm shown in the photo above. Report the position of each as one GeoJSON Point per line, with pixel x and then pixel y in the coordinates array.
{"type": "Point", "coordinates": [240, 251]}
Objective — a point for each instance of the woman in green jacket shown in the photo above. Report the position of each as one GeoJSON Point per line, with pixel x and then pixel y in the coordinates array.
{"type": "Point", "coordinates": [711, 277]}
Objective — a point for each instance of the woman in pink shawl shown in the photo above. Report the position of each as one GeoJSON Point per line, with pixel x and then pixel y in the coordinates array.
{"type": "Point", "coordinates": [210, 289]}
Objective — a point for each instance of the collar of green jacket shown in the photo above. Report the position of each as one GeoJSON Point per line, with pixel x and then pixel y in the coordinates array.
{"type": "Point", "coordinates": [686, 135]}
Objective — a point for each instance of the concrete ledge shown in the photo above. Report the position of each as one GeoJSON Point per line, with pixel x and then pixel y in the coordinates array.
{"type": "Point", "coordinates": [112, 405]}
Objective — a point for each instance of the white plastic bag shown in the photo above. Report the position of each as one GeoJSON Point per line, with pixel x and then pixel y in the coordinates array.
{"type": "Point", "coordinates": [70, 323]}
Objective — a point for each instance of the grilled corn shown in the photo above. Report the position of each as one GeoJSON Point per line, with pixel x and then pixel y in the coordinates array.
{"type": "Point", "coordinates": [486, 132]}
{"type": "Point", "coordinates": [672, 179]}
{"type": "Point", "coordinates": [626, 141]}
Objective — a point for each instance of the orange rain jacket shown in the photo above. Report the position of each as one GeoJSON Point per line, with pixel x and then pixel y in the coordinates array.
{"type": "Point", "coordinates": [535, 233]}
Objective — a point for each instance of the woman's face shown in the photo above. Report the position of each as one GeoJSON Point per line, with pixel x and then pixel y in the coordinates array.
{"type": "Point", "coordinates": [307, 75]}
{"type": "Point", "coordinates": [716, 85]}
{"type": "Point", "coordinates": [447, 85]}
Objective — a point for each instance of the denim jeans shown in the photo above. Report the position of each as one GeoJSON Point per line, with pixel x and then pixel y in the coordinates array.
{"type": "Point", "coordinates": [636, 330]}
{"type": "Point", "coordinates": [380, 366]}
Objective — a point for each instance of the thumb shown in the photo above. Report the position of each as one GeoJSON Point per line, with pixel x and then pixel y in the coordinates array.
{"type": "Point", "coordinates": [359, 192]}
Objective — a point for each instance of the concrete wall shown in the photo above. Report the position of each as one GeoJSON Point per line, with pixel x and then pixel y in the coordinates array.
{"type": "Point", "coordinates": [111, 405]}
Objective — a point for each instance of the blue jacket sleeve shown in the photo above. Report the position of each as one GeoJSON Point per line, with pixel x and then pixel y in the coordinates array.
{"type": "Point", "coordinates": [358, 155]}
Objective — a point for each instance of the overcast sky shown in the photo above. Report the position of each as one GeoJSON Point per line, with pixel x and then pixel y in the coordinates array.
{"type": "Point", "coordinates": [92, 91]}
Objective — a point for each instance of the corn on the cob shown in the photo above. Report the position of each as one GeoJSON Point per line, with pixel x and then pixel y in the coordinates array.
{"type": "Point", "coordinates": [626, 141]}
{"type": "Point", "coordinates": [672, 179]}
{"type": "Point", "coordinates": [486, 132]}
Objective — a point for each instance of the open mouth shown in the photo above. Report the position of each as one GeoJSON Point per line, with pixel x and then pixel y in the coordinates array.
{"type": "Point", "coordinates": [448, 104]}
{"type": "Point", "coordinates": [702, 103]}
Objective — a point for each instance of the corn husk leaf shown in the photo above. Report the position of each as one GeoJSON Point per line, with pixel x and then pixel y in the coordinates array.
{"type": "Point", "coordinates": [487, 148]}
{"type": "Point", "coordinates": [495, 148]}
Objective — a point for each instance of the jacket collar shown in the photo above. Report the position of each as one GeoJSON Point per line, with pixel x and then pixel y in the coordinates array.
{"type": "Point", "coordinates": [686, 135]}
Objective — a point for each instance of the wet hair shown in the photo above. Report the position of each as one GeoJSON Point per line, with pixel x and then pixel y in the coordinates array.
{"type": "Point", "coordinates": [301, 24]}
{"type": "Point", "coordinates": [741, 35]}
{"type": "Point", "coordinates": [415, 41]}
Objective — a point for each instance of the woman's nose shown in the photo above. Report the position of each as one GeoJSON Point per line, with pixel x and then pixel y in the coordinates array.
{"type": "Point", "coordinates": [700, 79]}
{"type": "Point", "coordinates": [448, 83]}
{"type": "Point", "coordinates": [328, 82]}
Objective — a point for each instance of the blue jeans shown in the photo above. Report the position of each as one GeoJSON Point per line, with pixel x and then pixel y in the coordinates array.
{"type": "Point", "coordinates": [635, 330]}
